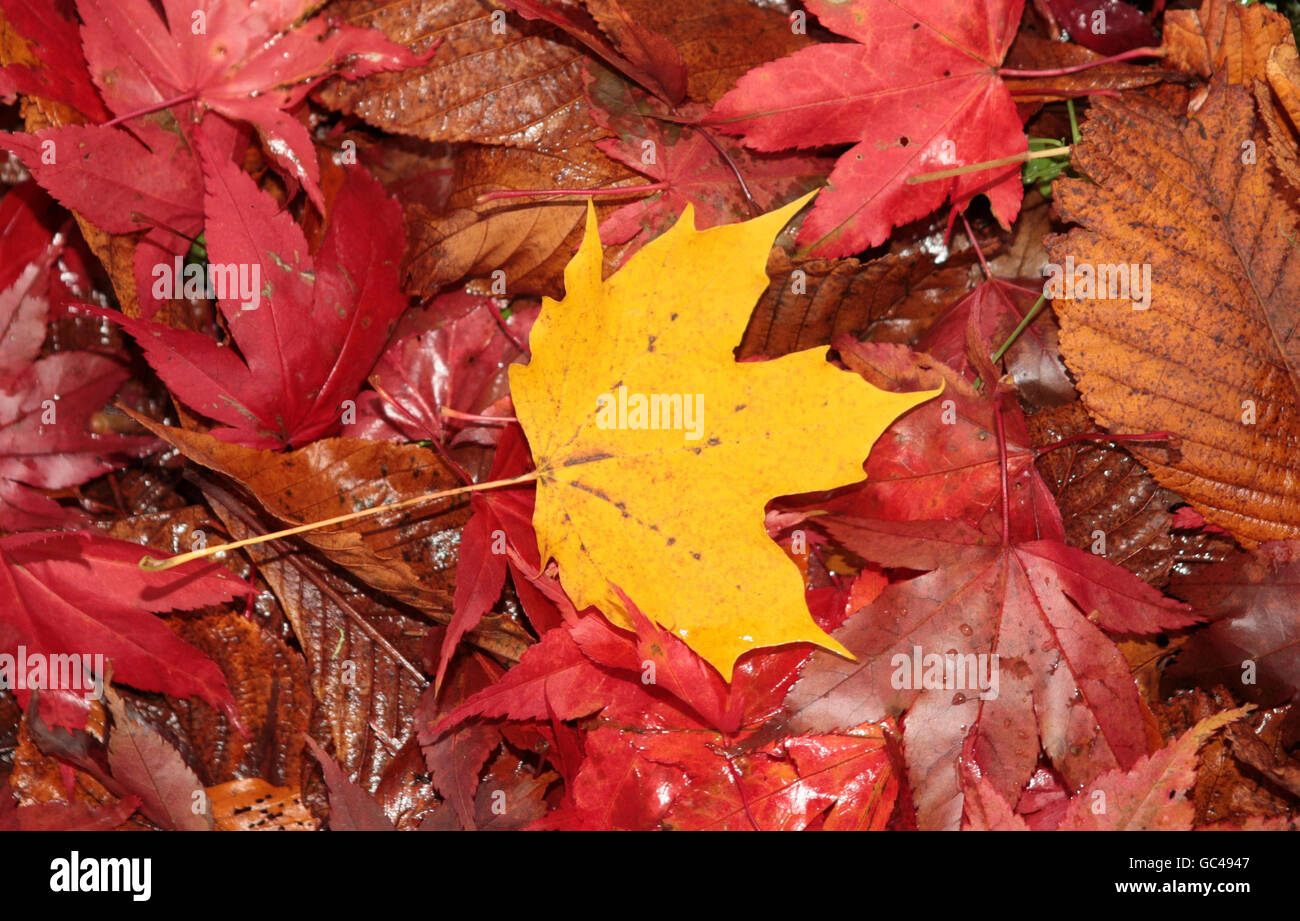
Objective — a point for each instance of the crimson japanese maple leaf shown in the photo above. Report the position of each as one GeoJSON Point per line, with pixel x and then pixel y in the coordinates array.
{"type": "Point", "coordinates": [444, 361]}
{"type": "Point", "coordinates": [917, 90]}
{"type": "Point", "coordinates": [687, 780]}
{"type": "Point", "coordinates": [46, 404]}
{"type": "Point", "coordinates": [80, 594]}
{"type": "Point", "coordinates": [248, 61]}
{"type": "Point", "coordinates": [1030, 614]}
{"type": "Point", "coordinates": [75, 816]}
{"type": "Point", "coordinates": [308, 328]}
{"type": "Point", "coordinates": [1150, 796]}
{"type": "Point", "coordinates": [60, 73]}
{"type": "Point", "coordinates": [941, 459]}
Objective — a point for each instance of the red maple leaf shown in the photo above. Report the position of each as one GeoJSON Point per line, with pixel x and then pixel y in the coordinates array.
{"type": "Point", "coordinates": [46, 404]}
{"type": "Point", "coordinates": [1151, 796]}
{"type": "Point", "coordinates": [284, 386]}
{"type": "Point", "coordinates": [60, 74]}
{"type": "Point", "coordinates": [248, 62]}
{"type": "Point", "coordinates": [445, 361]}
{"type": "Point", "coordinates": [80, 594]}
{"type": "Point", "coordinates": [1051, 678]}
{"type": "Point", "coordinates": [917, 90]}
{"type": "Point", "coordinates": [942, 459]}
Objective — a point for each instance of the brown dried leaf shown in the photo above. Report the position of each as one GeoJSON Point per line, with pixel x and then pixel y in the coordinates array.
{"type": "Point", "coordinates": [894, 298]}
{"type": "Point", "coordinates": [1283, 70]}
{"type": "Point", "coordinates": [718, 41]}
{"type": "Point", "coordinates": [1253, 646]}
{"type": "Point", "coordinates": [518, 85]}
{"type": "Point", "coordinates": [1225, 37]}
{"type": "Point", "coordinates": [530, 239]}
{"type": "Point", "coordinates": [1282, 140]}
{"type": "Point", "coordinates": [406, 790]}
{"type": "Point", "coordinates": [1108, 501]}
{"type": "Point", "coordinates": [270, 684]}
{"type": "Point", "coordinates": [411, 555]}
{"type": "Point", "coordinates": [359, 651]}
{"type": "Point", "coordinates": [1215, 359]}
{"type": "Point", "coordinates": [1226, 788]}
{"type": "Point", "coordinates": [253, 804]}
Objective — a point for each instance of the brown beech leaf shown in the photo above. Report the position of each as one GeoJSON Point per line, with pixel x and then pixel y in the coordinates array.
{"type": "Point", "coordinates": [358, 649]}
{"type": "Point", "coordinates": [1215, 358]}
{"type": "Point", "coordinates": [530, 239]}
{"type": "Point", "coordinates": [891, 299]}
{"type": "Point", "coordinates": [270, 684]}
{"type": "Point", "coordinates": [519, 84]}
{"type": "Point", "coordinates": [1109, 503]}
{"type": "Point", "coordinates": [1282, 141]}
{"type": "Point", "coordinates": [413, 562]}
{"type": "Point", "coordinates": [718, 41]}
{"type": "Point", "coordinates": [267, 678]}
{"type": "Point", "coordinates": [1225, 37]}
{"type": "Point", "coordinates": [1283, 71]}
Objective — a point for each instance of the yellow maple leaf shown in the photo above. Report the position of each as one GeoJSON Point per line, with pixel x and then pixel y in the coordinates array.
{"type": "Point", "coordinates": [657, 451]}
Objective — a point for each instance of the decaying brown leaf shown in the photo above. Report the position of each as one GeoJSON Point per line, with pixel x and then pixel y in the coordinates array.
{"type": "Point", "coordinates": [1215, 359]}
{"type": "Point", "coordinates": [1228, 788]}
{"type": "Point", "coordinates": [359, 651]}
{"type": "Point", "coordinates": [1225, 37]}
{"type": "Point", "coordinates": [411, 555]}
{"type": "Point", "coordinates": [255, 805]}
{"type": "Point", "coordinates": [528, 240]}
{"type": "Point", "coordinates": [495, 78]}
{"type": "Point", "coordinates": [718, 41]}
{"type": "Point", "coordinates": [1110, 504]}
{"type": "Point", "coordinates": [891, 299]}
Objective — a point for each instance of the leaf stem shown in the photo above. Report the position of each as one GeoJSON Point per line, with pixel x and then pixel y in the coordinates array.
{"type": "Point", "coordinates": [1102, 436]}
{"type": "Point", "coordinates": [1015, 333]}
{"type": "Point", "coordinates": [531, 193]}
{"type": "Point", "coordinates": [987, 164]}
{"type": "Point", "coordinates": [154, 564]}
{"type": "Point", "coordinates": [155, 107]}
{"type": "Point", "coordinates": [450, 413]}
{"type": "Point", "coordinates": [1145, 52]}
{"type": "Point", "coordinates": [975, 244]}
{"type": "Point", "coordinates": [1002, 466]}
{"type": "Point", "coordinates": [518, 343]}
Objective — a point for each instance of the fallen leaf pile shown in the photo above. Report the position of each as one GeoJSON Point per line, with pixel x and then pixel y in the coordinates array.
{"type": "Point", "coordinates": [847, 414]}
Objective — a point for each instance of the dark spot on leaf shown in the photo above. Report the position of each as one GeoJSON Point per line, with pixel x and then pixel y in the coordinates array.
{"type": "Point", "coordinates": [587, 459]}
